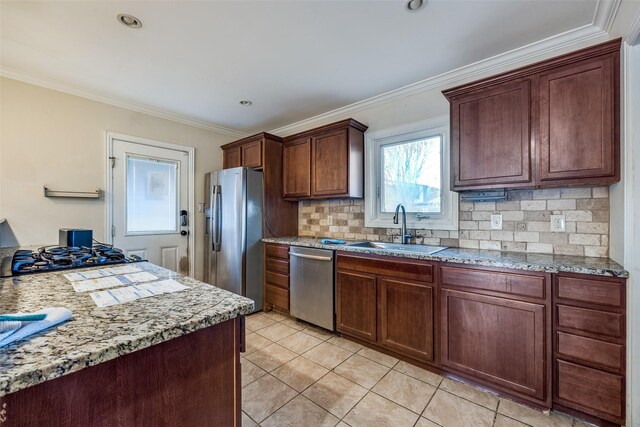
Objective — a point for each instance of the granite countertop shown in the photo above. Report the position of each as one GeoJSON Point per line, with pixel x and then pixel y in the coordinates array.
{"type": "Point", "coordinates": [95, 335]}
{"type": "Point", "coordinates": [514, 260]}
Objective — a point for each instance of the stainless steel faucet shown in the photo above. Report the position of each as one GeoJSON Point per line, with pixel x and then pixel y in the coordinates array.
{"type": "Point", "coordinates": [403, 228]}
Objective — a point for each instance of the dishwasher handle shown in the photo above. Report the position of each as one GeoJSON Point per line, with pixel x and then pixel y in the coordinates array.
{"type": "Point", "coordinates": [315, 257]}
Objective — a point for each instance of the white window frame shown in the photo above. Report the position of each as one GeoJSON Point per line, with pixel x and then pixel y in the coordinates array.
{"type": "Point", "coordinates": [373, 217]}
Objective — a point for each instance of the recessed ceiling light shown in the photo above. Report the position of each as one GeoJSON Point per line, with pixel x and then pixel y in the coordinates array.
{"type": "Point", "coordinates": [129, 20]}
{"type": "Point", "coordinates": [246, 102]}
{"type": "Point", "coordinates": [415, 5]}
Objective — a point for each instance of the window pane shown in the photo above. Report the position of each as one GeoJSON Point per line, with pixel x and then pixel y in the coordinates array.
{"type": "Point", "coordinates": [152, 189]}
{"type": "Point", "coordinates": [411, 175]}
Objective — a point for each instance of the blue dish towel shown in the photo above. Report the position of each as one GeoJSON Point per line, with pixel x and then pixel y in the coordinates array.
{"type": "Point", "coordinates": [332, 242]}
{"type": "Point", "coordinates": [14, 330]}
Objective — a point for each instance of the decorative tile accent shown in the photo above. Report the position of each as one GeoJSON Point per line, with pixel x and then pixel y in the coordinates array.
{"type": "Point", "coordinates": [525, 218]}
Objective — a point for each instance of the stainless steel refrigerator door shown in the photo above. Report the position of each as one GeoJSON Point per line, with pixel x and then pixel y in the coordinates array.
{"type": "Point", "coordinates": [230, 231]}
{"type": "Point", "coordinates": [311, 288]}
{"type": "Point", "coordinates": [253, 287]}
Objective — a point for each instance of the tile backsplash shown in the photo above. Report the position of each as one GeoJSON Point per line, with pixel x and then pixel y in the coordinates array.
{"type": "Point", "coordinates": [525, 223]}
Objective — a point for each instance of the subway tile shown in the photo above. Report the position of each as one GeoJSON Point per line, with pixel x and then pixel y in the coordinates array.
{"type": "Point", "coordinates": [596, 251]}
{"type": "Point", "coordinates": [584, 239]}
{"type": "Point", "coordinates": [515, 215]}
{"type": "Point", "coordinates": [578, 215]}
{"type": "Point", "coordinates": [502, 235]}
{"type": "Point", "coordinates": [600, 192]}
{"type": "Point", "coordinates": [533, 205]}
{"type": "Point", "coordinates": [575, 193]}
{"type": "Point", "coordinates": [552, 193]}
{"type": "Point", "coordinates": [526, 236]}
{"type": "Point", "coordinates": [593, 227]}
{"type": "Point", "coordinates": [540, 248]}
{"type": "Point", "coordinates": [561, 205]}
{"type": "Point", "coordinates": [490, 245]}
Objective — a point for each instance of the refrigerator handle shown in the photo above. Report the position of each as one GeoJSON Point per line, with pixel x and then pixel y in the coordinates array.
{"type": "Point", "coordinates": [214, 215]}
{"type": "Point", "coordinates": [218, 226]}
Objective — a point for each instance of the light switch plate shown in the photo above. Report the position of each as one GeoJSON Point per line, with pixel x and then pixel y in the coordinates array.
{"type": "Point", "coordinates": [496, 222]}
{"type": "Point", "coordinates": [200, 207]}
{"type": "Point", "coordinates": [558, 223]}
{"type": "Point", "coordinates": [329, 220]}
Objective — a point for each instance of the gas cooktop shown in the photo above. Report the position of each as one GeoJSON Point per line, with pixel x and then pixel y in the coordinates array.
{"type": "Point", "coordinates": [54, 258]}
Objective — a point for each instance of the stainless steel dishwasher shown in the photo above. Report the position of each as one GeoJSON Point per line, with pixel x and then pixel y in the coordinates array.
{"type": "Point", "coordinates": [311, 289]}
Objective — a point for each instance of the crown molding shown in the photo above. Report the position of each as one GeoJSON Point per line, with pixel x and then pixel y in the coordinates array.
{"type": "Point", "coordinates": [482, 68]}
{"type": "Point", "coordinates": [118, 102]}
{"type": "Point", "coordinates": [605, 14]}
{"type": "Point", "coordinates": [633, 35]}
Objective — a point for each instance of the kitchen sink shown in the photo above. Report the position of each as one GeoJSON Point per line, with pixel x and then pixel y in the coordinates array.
{"type": "Point", "coordinates": [423, 249]}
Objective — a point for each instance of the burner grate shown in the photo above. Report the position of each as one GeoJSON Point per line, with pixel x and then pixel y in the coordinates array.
{"type": "Point", "coordinates": [55, 258]}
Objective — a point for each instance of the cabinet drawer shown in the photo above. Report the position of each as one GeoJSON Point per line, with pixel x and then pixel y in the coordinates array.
{"type": "Point", "coordinates": [590, 390]}
{"type": "Point", "coordinates": [594, 321]}
{"type": "Point", "coordinates": [277, 251]}
{"type": "Point", "coordinates": [277, 265]}
{"type": "Point", "coordinates": [590, 290]}
{"type": "Point", "coordinates": [413, 270]}
{"type": "Point", "coordinates": [591, 350]}
{"type": "Point", "coordinates": [277, 297]}
{"type": "Point", "coordinates": [277, 279]}
{"type": "Point", "coordinates": [510, 283]}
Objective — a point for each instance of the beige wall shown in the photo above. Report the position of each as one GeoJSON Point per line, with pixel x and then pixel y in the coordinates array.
{"type": "Point", "coordinates": [48, 137]}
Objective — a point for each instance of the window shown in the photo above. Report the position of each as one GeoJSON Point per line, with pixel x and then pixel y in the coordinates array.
{"type": "Point", "coordinates": [409, 165]}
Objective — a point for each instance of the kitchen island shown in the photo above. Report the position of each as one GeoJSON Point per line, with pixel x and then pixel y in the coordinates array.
{"type": "Point", "coordinates": [171, 359]}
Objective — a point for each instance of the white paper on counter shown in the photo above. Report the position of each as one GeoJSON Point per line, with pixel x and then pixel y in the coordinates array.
{"type": "Point", "coordinates": [102, 272]}
{"type": "Point", "coordinates": [134, 292]}
{"type": "Point", "coordinates": [141, 277]}
{"type": "Point", "coordinates": [101, 283]}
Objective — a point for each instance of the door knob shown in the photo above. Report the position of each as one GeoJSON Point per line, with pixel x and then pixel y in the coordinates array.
{"type": "Point", "coordinates": [184, 232]}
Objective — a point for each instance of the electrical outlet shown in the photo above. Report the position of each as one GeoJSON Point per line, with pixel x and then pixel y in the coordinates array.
{"type": "Point", "coordinates": [558, 223]}
{"type": "Point", "coordinates": [496, 222]}
{"type": "Point", "coordinates": [200, 207]}
{"type": "Point", "coordinates": [329, 220]}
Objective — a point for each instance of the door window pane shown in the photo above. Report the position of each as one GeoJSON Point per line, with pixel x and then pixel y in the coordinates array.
{"type": "Point", "coordinates": [411, 175]}
{"type": "Point", "coordinates": [152, 195]}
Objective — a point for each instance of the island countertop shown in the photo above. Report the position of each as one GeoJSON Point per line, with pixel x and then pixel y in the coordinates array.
{"type": "Point", "coordinates": [514, 260]}
{"type": "Point", "coordinates": [95, 335]}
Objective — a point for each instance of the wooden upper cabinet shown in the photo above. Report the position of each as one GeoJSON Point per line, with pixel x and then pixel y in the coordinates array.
{"type": "Point", "coordinates": [247, 152]}
{"type": "Point", "coordinates": [252, 154]}
{"type": "Point", "coordinates": [578, 108]}
{"type": "Point", "coordinates": [296, 176]}
{"type": "Point", "coordinates": [326, 162]}
{"type": "Point", "coordinates": [330, 169]}
{"type": "Point", "coordinates": [263, 152]}
{"type": "Point", "coordinates": [491, 136]}
{"type": "Point", "coordinates": [562, 112]}
{"type": "Point", "coordinates": [231, 158]}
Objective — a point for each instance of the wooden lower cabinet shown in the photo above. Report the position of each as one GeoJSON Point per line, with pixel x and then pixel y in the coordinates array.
{"type": "Point", "coordinates": [497, 340]}
{"type": "Point", "coordinates": [276, 277]}
{"type": "Point", "coordinates": [556, 341]}
{"type": "Point", "coordinates": [192, 380]}
{"type": "Point", "coordinates": [395, 313]}
{"type": "Point", "coordinates": [406, 317]}
{"type": "Point", "coordinates": [356, 307]}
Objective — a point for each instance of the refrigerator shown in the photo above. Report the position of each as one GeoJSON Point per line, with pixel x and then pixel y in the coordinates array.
{"type": "Point", "coordinates": [233, 232]}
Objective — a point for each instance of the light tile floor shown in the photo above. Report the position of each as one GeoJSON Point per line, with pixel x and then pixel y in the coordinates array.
{"type": "Point", "coordinates": [294, 374]}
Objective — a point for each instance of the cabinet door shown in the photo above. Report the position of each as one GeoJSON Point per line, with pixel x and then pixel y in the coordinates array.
{"type": "Point", "coordinates": [496, 340]}
{"type": "Point", "coordinates": [356, 305]}
{"type": "Point", "coordinates": [577, 122]}
{"type": "Point", "coordinates": [491, 137]}
{"type": "Point", "coordinates": [297, 168]}
{"type": "Point", "coordinates": [252, 154]}
{"type": "Point", "coordinates": [231, 158]}
{"type": "Point", "coordinates": [406, 317]}
{"type": "Point", "coordinates": [330, 164]}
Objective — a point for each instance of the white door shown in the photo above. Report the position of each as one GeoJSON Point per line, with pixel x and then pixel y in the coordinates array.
{"type": "Point", "coordinates": [150, 203]}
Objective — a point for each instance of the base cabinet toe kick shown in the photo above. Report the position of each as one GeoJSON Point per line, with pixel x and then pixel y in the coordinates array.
{"type": "Point", "coordinates": [552, 340]}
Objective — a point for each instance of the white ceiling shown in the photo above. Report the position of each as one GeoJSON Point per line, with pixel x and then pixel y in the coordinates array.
{"type": "Point", "coordinates": [294, 59]}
